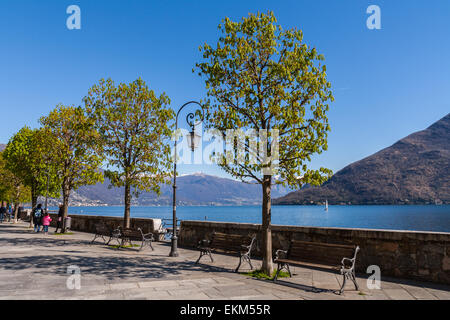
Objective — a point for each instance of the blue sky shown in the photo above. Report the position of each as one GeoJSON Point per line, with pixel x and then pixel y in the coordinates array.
{"type": "Point", "coordinates": [387, 83]}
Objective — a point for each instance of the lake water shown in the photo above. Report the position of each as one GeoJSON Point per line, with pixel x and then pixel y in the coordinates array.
{"type": "Point", "coordinates": [424, 218]}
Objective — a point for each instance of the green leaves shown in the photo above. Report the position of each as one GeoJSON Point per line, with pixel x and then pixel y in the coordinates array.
{"type": "Point", "coordinates": [75, 154]}
{"type": "Point", "coordinates": [28, 156]}
{"type": "Point", "coordinates": [262, 77]}
{"type": "Point", "coordinates": [134, 129]}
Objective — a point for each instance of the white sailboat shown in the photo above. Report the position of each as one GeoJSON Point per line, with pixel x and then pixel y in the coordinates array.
{"type": "Point", "coordinates": [326, 205]}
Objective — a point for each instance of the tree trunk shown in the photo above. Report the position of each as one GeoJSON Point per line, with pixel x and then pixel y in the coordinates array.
{"type": "Point", "coordinates": [126, 216]}
{"type": "Point", "coordinates": [16, 211]}
{"type": "Point", "coordinates": [66, 196]}
{"type": "Point", "coordinates": [34, 197]}
{"type": "Point", "coordinates": [267, 265]}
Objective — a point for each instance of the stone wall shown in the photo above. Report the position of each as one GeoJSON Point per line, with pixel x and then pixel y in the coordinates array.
{"type": "Point", "coordinates": [404, 254]}
{"type": "Point", "coordinates": [86, 223]}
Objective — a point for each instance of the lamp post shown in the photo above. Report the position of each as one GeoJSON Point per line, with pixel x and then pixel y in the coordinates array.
{"type": "Point", "coordinates": [193, 141]}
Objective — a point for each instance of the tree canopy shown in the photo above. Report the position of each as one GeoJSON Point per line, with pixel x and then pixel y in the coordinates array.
{"type": "Point", "coordinates": [28, 155]}
{"type": "Point", "coordinates": [76, 153]}
{"type": "Point", "coordinates": [261, 77]}
{"type": "Point", "coordinates": [134, 127]}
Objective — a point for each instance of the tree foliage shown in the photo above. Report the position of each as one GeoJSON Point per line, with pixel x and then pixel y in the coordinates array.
{"type": "Point", "coordinates": [28, 155]}
{"type": "Point", "coordinates": [262, 77]}
{"type": "Point", "coordinates": [11, 187]}
{"type": "Point", "coordinates": [76, 153]}
{"type": "Point", "coordinates": [134, 128]}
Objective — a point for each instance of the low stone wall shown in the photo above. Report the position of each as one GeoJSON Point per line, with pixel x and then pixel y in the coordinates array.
{"type": "Point", "coordinates": [86, 223]}
{"type": "Point", "coordinates": [404, 254]}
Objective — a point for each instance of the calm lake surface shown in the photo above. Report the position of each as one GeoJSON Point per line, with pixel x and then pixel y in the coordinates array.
{"type": "Point", "coordinates": [411, 217]}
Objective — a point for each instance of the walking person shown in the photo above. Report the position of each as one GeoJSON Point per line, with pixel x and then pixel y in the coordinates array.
{"type": "Point", "coordinates": [46, 222]}
{"type": "Point", "coordinates": [2, 213]}
{"type": "Point", "coordinates": [59, 221]}
{"type": "Point", "coordinates": [37, 217]}
{"type": "Point", "coordinates": [10, 212]}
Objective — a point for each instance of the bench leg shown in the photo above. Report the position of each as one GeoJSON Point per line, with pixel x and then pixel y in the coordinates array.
{"type": "Point", "coordinates": [280, 267]}
{"type": "Point", "coordinates": [202, 253]}
{"type": "Point", "coordinates": [95, 237]}
{"type": "Point", "coordinates": [289, 270]}
{"type": "Point", "coordinates": [246, 257]}
{"type": "Point", "coordinates": [210, 256]}
{"type": "Point", "coordinates": [239, 265]}
{"type": "Point", "coordinates": [278, 272]}
{"type": "Point", "coordinates": [344, 280]}
{"type": "Point", "coordinates": [353, 277]}
{"type": "Point", "coordinates": [150, 244]}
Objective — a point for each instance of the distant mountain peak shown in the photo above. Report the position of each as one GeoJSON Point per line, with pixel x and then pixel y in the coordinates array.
{"type": "Point", "coordinates": [414, 170]}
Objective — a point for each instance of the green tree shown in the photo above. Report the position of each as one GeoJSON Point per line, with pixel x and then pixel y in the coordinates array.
{"type": "Point", "coordinates": [12, 188]}
{"type": "Point", "coordinates": [263, 78]}
{"type": "Point", "coordinates": [28, 155]}
{"type": "Point", "coordinates": [76, 155]}
{"type": "Point", "coordinates": [134, 129]}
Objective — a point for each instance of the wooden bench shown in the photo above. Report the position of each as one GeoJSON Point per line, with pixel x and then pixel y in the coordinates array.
{"type": "Point", "coordinates": [228, 243]}
{"type": "Point", "coordinates": [128, 234]}
{"type": "Point", "coordinates": [101, 230]}
{"type": "Point", "coordinates": [328, 256]}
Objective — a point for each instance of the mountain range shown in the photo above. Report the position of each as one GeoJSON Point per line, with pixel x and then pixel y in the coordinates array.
{"type": "Point", "coordinates": [193, 189]}
{"type": "Point", "coordinates": [414, 170]}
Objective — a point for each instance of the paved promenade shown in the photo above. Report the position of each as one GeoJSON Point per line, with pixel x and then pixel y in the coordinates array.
{"type": "Point", "coordinates": [34, 266]}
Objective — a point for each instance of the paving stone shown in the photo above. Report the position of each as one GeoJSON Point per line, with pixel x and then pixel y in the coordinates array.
{"type": "Point", "coordinates": [122, 286]}
{"type": "Point", "coordinates": [128, 274]}
{"type": "Point", "coordinates": [419, 293]}
{"type": "Point", "coordinates": [398, 294]}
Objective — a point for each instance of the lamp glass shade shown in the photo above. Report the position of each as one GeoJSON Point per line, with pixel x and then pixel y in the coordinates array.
{"type": "Point", "coordinates": [193, 140]}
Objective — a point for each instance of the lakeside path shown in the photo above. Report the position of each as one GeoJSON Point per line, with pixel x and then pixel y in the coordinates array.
{"type": "Point", "coordinates": [34, 266]}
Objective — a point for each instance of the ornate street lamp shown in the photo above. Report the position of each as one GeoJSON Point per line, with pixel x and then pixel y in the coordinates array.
{"type": "Point", "coordinates": [193, 140]}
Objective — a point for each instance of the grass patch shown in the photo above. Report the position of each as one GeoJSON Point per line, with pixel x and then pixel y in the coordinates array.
{"type": "Point", "coordinates": [127, 246]}
{"type": "Point", "coordinates": [259, 274]}
{"type": "Point", "coordinates": [361, 293]}
{"type": "Point", "coordinates": [63, 234]}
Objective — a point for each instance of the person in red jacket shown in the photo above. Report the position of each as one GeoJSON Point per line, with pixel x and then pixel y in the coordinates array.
{"type": "Point", "coordinates": [46, 222]}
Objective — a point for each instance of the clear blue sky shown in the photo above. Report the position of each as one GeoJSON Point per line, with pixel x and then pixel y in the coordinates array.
{"type": "Point", "coordinates": [387, 83]}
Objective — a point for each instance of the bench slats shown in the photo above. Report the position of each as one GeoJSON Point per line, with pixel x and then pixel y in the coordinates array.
{"type": "Point", "coordinates": [309, 264]}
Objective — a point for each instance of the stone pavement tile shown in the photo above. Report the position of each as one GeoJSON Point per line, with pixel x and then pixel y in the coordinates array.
{"type": "Point", "coordinates": [213, 293]}
{"type": "Point", "coordinates": [237, 291]}
{"type": "Point", "coordinates": [375, 295]}
{"type": "Point", "coordinates": [187, 294]}
{"type": "Point", "coordinates": [123, 286]}
{"type": "Point", "coordinates": [398, 294]}
{"type": "Point", "coordinates": [146, 293]}
{"type": "Point", "coordinates": [158, 284]}
{"type": "Point", "coordinates": [199, 296]}
{"type": "Point", "coordinates": [281, 294]}
{"type": "Point", "coordinates": [353, 295]}
{"type": "Point", "coordinates": [419, 293]}
{"type": "Point", "coordinates": [116, 296]}
{"type": "Point", "coordinates": [440, 294]}
{"type": "Point", "coordinates": [258, 297]}
{"type": "Point", "coordinates": [389, 285]}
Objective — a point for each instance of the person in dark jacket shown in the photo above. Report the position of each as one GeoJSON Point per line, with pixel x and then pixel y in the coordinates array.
{"type": "Point", "coordinates": [59, 220]}
{"type": "Point", "coordinates": [37, 217]}
{"type": "Point", "coordinates": [2, 213]}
